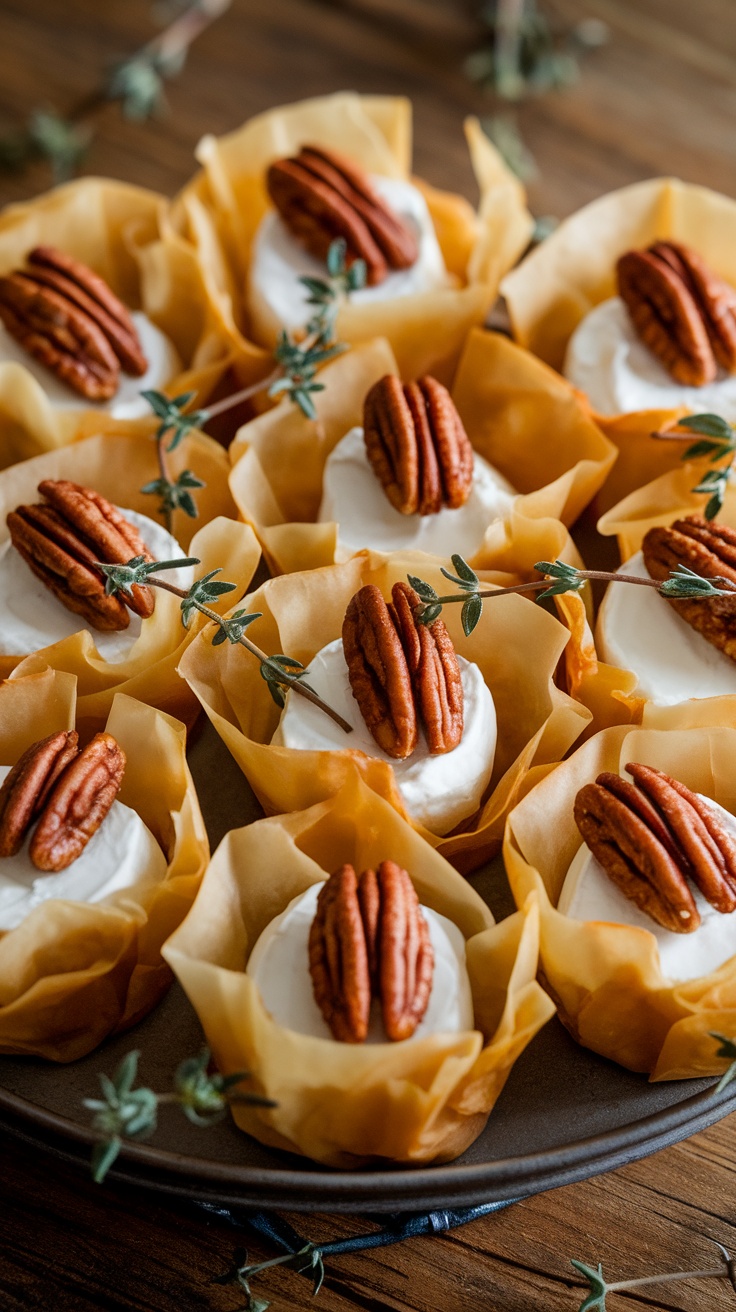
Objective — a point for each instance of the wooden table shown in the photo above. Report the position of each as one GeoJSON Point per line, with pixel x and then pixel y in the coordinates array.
{"type": "Point", "coordinates": [659, 98]}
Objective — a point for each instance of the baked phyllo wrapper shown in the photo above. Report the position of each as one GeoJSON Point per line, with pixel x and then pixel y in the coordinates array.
{"type": "Point", "coordinates": [457, 797]}
{"type": "Point", "coordinates": [563, 305]}
{"type": "Point", "coordinates": [346, 1104]}
{"type": "Point", "coordinates": [140, 653]}
{"type": "Point", "coordinates": [80, 948]}
{"type": "Point", "coordinates": [308, 489]}
{"type": "Point", "coordinates": [426, 309]}
{"type": "Point", "coordinates": [54, 250]}
{"type": "Point", "coordinates": [642, 995]}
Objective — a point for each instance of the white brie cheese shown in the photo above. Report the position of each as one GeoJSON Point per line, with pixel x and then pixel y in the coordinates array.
{"type": "Point", "coordinates": [32, 617]}
{"type": "Point", "coordinates": [353, 497]}
{"type": "Point", "coordinates": [163, 365]}
{"type": "Point", "coordinates": [121, 853]}
{"type": "Point", "coordinates": [277, 300]}
{"type": "Point", "coordinates": [279, 965]}
{"type": "Point", "coordinates": [608, 361]}
{"type": "Point", "coordinates": [439, 791]}
{"type": "Point", "coordinates": [638, 630]}
{"type": "Point", "coordinates": [589, 894]}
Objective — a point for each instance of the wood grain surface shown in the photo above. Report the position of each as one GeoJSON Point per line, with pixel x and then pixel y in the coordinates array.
{"type": "Point", "coordinates": [659, 98]}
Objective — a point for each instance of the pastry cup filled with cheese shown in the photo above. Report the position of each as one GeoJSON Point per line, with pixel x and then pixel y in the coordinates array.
{"type": "Point", "coordinates": [661, 642]}
{"type": "Point", "coordinates": [457, 791]}
{"type": "Point", "coordinates": [563, 306]}
{"type": "Point", "coordinates": [425, 309]}
{"type": "Point", "coordinates": [309, 491]}
{"type": "Point", "coordinates": [80, 948]}
{"type": "Point", "coordinates": [345, 1104]}
{"type": "Point", "coordinates": [122, 235]}
{"type": "Point", "coordinates": [141, 658]}
{"type": "Point", "coordinates": [642, 995]}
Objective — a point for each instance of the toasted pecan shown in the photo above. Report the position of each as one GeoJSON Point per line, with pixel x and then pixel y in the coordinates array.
{"type": "Point", "coordinates": [433, 669]}
{"type": "Point", "coordinates": [417, 446]}
{"type": "Point", "coordinates": [26, 788]}
{"type": "Point", "coordinates": [379, 675]}
{"type": "Point", "coordinates": [370, 938]}
{"type": "Point", "coordinates": [78, 803]}
{"type": "Point", "coordinates": [62, 543]}
{"type": "Point", "coordinates": [321, 196]}
{"type": "Point", "coordinates": [709, 549]}
{"type": "Point", "coordinates": [651, 837]}
{"type": "Point", "coordinates": [68, 318]}
{"type": "Point", "coordinates": [682, 311]}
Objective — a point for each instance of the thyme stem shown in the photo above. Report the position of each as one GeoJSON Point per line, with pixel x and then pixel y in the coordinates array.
{"type": "Point", "coordinates": [228, 402]}
{"type": "Point", "coordinates": [668, 1276]}
{"type": "Point", "coordinates": [256, 651]}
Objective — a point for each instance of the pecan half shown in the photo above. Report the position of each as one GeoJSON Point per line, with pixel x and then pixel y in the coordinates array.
{"type": "Point", "coordinates": [62, 541]}
{"type": "Point", "coordinates": [26, 788]}
{"type": "Point", "coordinates": [69, 320]}
{"type": "Point", "coordinates": [709, 549]}
{"type": "Point", "coordinates": [400, 670]}
{"type": "Point", "coordinates": [433, 669]}
{"type": "Point", "coordinates": [682, 311]}
{"type": "Point", "coordinates": [78, 804]}
{"type": "Point", "coordinates": [417, 446]}
{"type": "Point", "coordinates": [370, 939]}
{"type": "Point", "coordinates": [379, 674]}
{"type": "Point", "coordinates": [320, 196]}
{"type": "Point", "coordinates": [651, 836]}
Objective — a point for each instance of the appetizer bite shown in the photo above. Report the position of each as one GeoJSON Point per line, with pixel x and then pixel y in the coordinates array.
{"type": "Point", "coordinates": [377, 1004]}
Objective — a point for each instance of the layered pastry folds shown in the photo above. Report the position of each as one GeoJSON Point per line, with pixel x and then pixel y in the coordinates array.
{"type": "Point", "coordinates": [302, 614]}
{"type": "Point", "coordinates": [80, 944]}
{"type": "Point", "coordinates": [416, 1100]}
{"type": "Point", "coordinates": [368, 135]}
{"type": "Point", "coordinates": [141, 659]}
{"type": "Point", "coordinates": [309, 503]}
{"type": "Point", "coordinates": [87, 269]}
{"type": "Point", "coordinates": [572, 277]}
{"type": "Point", "coordinates": [635, 992]}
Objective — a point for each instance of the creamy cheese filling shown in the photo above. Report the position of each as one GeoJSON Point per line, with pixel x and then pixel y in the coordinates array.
{"type": "Point", "coordinates": [121, 853]}
{"type": "Point", "coordinates": [589, 894]}
{"type": "Point", "coordinates": [439, 791]}
{"type": "Point", "coordinates": [277, 300]}
{"type": "Point", "coordinates": [32, 617]}
{"type": "Point", "coordinates": [353, 498]}
{"type": "Point", "coordinates": [608, 361]}
{"type": "Point", "coordinates": [163, 365]}
{"type": "Point", "coordinates": [638, 630]}
{"type": "Point", "coordinates": [279, 965]}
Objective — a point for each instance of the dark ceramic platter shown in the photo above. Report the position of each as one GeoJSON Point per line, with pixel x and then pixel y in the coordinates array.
{"type": "Point", "coordinates": [564, 1114]}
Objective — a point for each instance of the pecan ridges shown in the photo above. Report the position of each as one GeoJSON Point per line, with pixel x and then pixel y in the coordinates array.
{"type": "Point", "coordinates": [682, 311]}
{"type": "Point", "coordinates": [401, 671]}
{"type": "Point", "coordinates": [67, 317]}
{"type": "Point", "coordinates": [651, 837]}
{"type": "Point", "coordinates": [62, 539]}
{"type": "Point", "coordinates": [709, 549]}
{"type": "Point", "coordinates": [70, 791]}
{"type": "Point", "coordinates": [321, 196]}
{"type": "Point", "coordinates": [417, 446]}
{"type": "Point", "coordinates": [370, 939]}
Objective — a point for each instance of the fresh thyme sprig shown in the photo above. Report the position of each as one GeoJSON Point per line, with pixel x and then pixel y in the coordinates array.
{"type": "Point", "coordinates": [718, 441]}
{"type": "Point", "coordinates": [727, 1049]}
{"type": "Point", "coordinates": [124, 1112]}
{"type": "Point", "coordinates": [137, 84]}
{"type": "Point", "coordinates": [297, 357]}
{"type": "Point", "coordinates": [175, 494]}
{"type": "Point", "coordinates": [682, 583]}
{"type": "Point", "coordinates": [279, 671]}
{"type": "Point", "coordinates": [308, 1258]}
{"type": "Point", "coordinates": [595, 1301]}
